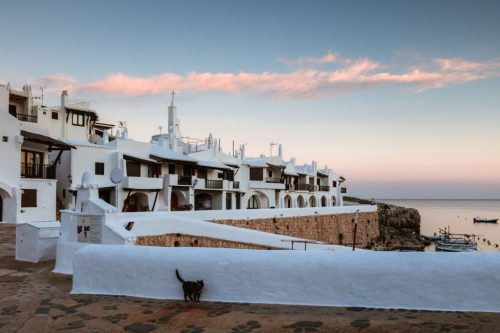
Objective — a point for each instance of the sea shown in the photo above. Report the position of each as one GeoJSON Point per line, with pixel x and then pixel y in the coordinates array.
{"type": "Point", "coordinates": [458, 215]}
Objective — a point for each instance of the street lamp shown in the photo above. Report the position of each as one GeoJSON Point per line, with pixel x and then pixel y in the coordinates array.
{"type": "Point", "coordinates": [354, 231]}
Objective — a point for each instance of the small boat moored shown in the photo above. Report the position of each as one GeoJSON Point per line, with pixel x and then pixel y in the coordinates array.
{"type": "Point", "coordinates": [485, 220]}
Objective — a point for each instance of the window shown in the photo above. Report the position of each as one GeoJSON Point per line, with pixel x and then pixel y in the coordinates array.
{"type": "Point", "coordinates": [153, 171]}
{"type": "Point", "coordinates": [12, 110]}
{"type": "Point", "coordinates": [270, 173]}
{"type": "Point", "coordinates": [5, 138]}
{"type": "Point", "coordinates": [256, 174]}
{"type": "Point", "coordinates": [202, 173]}
{"type": "Point", "coordinates": [133, 169]}
{"type": "Point", "coordinates": [220, 175]}
{"type": "Point", "coordinates": [343, 190]}
{"type": "Point", "coordinates": [55, 115]}
{"type": "Point", "coordinates": [28, 198]}
{"type": "Point", "coordinates": [334, 183]}
{"type": "Point", "coordinates": [229, 175]}
{"type": "Point", "coordinates": [99, 168]}
{"type": "Point", "coordinates": [171, 169]}
{"type": "Point", "coordinates": [78, 119]}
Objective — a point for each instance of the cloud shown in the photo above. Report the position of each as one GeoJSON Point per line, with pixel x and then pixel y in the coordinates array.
{"type": "Point", "coordinates": [56, 80]}
{"type": "Point", "coordinates": [330, 57]}
{"type": "Point", "coordinates": [349, 75]}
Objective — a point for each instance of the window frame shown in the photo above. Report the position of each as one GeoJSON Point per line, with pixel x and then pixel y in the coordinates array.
{"type": "Point", "coordinates": [97, 168]}
{"type": "Point", "coordinates": [77, 122]}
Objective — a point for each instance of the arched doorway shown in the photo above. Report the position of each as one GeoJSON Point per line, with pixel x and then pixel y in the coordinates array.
{"type": "Point", "coordinates": [174, 201]}
{"type": "Point", "coordinates": [323, 201]}
{"type": "Point", "coordinates": [137, 202]}
{"type": "Point", "coordinates": [312, 201]}
{"type": "Point", "coordinates": [253, 202]}
{"type": "Point", "coordinates": [203, 201]}
{"type": "Point", "coordinates": [288, 201]}
{"type": "Point", "coordinates": [300, 201]}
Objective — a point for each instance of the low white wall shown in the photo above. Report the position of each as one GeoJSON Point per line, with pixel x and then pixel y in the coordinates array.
{"type": "Point", "coordinates": [420, 280]}
{"type": "Point", "coordinates": [46, 200]}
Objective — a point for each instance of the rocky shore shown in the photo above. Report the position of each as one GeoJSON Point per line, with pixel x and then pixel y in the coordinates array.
{"type": "Point", "coordinates": [399, 227]}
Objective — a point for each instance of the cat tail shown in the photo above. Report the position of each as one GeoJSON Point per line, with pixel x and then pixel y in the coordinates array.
{"type": "Point", "coordinates": [178, 276]}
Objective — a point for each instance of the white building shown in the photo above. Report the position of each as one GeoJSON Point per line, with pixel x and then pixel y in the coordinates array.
{"type": "Point", "coordinates": [50, 148]}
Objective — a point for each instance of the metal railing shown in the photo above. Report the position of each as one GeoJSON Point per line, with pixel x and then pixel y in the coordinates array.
{"type": "Point", "coordinates": [324, 188]}
{"type": "Point", "coordinates": [27, 117]}
{"type": "Point", "coordinates": [184, 180]}
{"type": "Point", "coordinates": [213, 184]}
{"type": "Point", "coordinates": [236, 185]}
{"type": "Point", "coordinates": [41, 171]}
{"type": "Point", "coordinates": [273, 180]}
{"type": "Point", "coordinates": [302, 187]}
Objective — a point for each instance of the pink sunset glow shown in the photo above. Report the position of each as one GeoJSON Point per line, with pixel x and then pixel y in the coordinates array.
{"type": "Point", "coordinates": [349, 76]}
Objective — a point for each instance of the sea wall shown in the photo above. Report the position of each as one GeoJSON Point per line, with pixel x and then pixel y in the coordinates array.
{"type": "Point", "coordinates": [330, 229]}
{"type": "Point", "coordinates": [408, 280]}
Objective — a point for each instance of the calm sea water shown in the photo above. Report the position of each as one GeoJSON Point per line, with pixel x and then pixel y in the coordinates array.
{"type": "Point", "coordinates": [458, 215]}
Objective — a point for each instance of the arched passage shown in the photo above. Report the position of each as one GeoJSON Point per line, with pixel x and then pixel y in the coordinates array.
{"type": "Point", "coordinates": [323, 201]}
{"type": "Point", "coordinates": [203, 201]}
{"type": "Point", "coordinates": [177, 200]}
{"type": "Point", "coordinates": [288, 201]}
{"type": "Point", "coordinates": [254, 202]}
{"type": "Point", "coordinates": [300, 201]}
{"type": "Point", "coordinates": [137, 202]}
{"type": "Point", "coordinates": [312, 201]}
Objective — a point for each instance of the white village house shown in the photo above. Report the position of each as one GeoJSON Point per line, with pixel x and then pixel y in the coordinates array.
{"type": "Point", "coordinates": [46, 151]}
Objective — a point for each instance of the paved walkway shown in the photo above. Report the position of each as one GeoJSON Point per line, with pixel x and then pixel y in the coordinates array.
{"type": "Point", "coordinates": [32, 299]}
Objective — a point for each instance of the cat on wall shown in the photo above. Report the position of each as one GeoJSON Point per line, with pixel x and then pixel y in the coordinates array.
{"type": "Point", "coordinates": [192, 289]}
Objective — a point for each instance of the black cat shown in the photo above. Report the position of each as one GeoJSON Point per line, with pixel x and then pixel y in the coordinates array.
{"type": "Point", "coordinates": [191, 289]}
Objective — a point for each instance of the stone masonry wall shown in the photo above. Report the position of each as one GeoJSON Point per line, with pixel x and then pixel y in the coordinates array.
{"type": "Point", "coordinates": [182, 240]}
{"type": "Point", "coordinates": [332, 229]}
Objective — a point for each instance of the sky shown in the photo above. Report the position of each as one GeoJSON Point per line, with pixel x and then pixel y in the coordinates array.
{"type": "Point", "coordinates": [399, 97]}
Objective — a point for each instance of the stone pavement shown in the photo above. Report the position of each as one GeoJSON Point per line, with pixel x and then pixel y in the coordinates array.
{"type": "Point", "coordinates": [33, 299]}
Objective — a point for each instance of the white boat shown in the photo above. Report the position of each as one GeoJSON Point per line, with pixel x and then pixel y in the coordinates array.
{"type": "Point", "coordinates": [478, 219]}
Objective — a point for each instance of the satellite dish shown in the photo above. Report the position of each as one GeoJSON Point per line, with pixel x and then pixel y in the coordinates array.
{"type": "Point", "coordinates": [116, 176]}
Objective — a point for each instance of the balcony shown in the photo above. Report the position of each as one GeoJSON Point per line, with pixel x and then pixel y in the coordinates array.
{"type": "Point", "coordinates": [313, 188]}
{"type": "Point", "coordinates": [302, 187]}
{"type": "Point", "coordinates": [142, 183]}
{"type": "Point", "coordinates": [216, 184]}
{"type": "Point", "coordinates": [40, 171]}
{"type": "Point", "coordinates": [273, 180]}
{"type": "Point", "coordinates": [324, 188]}
{"type": "Point", "coordinates": [27, 117]}
{"type": "Point", "coordinates": [185, 180]}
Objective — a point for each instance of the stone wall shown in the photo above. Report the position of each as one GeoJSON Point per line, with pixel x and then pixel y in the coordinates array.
{"type": "Point", "coordinates": [183, 240]}
{"type": "Point", "coordinates": [331, 229]}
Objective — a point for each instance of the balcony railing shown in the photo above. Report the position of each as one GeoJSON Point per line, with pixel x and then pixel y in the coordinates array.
{"type": "Point", "coordinates": [313, 188]}
{"type": "Point", "coordinates": [185, 180]}
{"type": "Point", "coordinates": [41, 171]}
{"type": "Point", "coordinates": [273, 180]}
{"type": "Point", "coordinates": [324, 188]}
{"type": "Point", "coordinates": [289, 187]}
{"type": "Point", "coordinates": [213, 184]}
{"type": "Point", "coordinates": [27, 117]}
{"type": "Point", "coordinates": [302, 187]}
{"type": "Point", "coordinates": [236, 185]}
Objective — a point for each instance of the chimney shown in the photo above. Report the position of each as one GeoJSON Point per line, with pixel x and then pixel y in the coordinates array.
{"type": "Point", "coordinates": [64, 98]}
{"type": "Point", "coordinates": [280, 151]}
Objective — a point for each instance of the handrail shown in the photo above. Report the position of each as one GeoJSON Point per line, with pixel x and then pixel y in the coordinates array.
{"type": "Point", "coordinates": [41, 171]}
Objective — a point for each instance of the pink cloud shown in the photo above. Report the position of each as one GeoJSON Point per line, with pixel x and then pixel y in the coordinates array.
{"type": "Point", "coordinates": [56, 80]}
{"type": "Point", "coordinates": [348, 76]}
